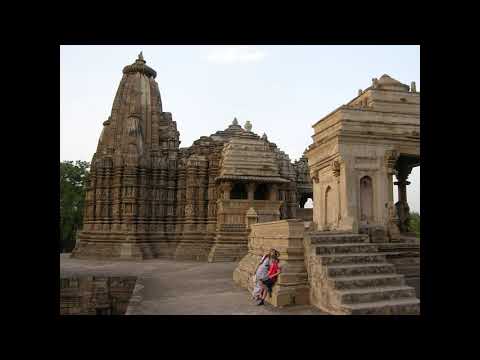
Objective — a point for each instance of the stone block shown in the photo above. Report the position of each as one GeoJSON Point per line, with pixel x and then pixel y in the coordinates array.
{"type": "Point", "coordinates": [286, 236]}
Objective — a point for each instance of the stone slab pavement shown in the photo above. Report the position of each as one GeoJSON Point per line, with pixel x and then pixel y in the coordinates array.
{"type": "Point", "coordinates": [170, 287]}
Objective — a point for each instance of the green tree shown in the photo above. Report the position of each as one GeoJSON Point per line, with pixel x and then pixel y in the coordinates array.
{"type": "Point", "coordinates": [414, 224]}
{"type": "Point", "coordinates": [72, 194]}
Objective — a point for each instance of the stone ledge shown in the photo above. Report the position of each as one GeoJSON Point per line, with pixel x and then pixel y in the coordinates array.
{"type": "Point", "coordinates": [286, 236]}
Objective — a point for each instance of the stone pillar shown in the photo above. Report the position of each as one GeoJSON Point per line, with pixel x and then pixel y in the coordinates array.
{"type": "Point", "coordinates": [402, 189]}
{"type": "Point", "coordinates": [403, 209]}
{"type": "Point", "coordinates": [273, 194]}
{"type": "Point", "coordinates": [348, 197]}
{"type": "Point", "coordinates": [391, 157]}
{"type": "Point", "coordinates": [251, 217]}
{"type": "Point", "coordinates": [251, 190]}
{"type": "Point", "coordinates": [212, 196]}
{"type": "Point", "coordinates": [336, 173]}
{"type": "Point", "coordinates": [316, 216]}
{"type": "Point", "coordinates": [226, 187]}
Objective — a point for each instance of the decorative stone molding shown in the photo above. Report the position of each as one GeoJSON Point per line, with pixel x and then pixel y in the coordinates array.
{"type": "Point", "coordinates": [391, 157]}
{"type": "Point", "coordinates": [335, 166]}
{"type": "Point", "coordinates": [174, 202]}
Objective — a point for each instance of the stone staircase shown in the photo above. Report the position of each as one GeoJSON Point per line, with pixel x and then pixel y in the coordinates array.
{"type": "Point", "coordinates": [348, 275]}
{"type": "Point", "coordinates": [231, 244]}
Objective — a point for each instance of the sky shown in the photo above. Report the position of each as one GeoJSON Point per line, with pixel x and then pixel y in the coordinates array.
{"type": "Point", "coordinates": [281, 90]}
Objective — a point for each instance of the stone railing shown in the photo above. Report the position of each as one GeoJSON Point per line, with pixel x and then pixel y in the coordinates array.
{"type": "Point", "coordinates": [286, 236]}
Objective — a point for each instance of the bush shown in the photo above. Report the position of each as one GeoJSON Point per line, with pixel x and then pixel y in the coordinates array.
{"type": "Point", "coordinates": [414, 224]}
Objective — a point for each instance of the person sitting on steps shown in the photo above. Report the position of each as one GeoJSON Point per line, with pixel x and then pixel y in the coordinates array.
{"type": "Point", "coordinates": [261, 273]}
{"type": "Point", "coordinates": [273, 272]}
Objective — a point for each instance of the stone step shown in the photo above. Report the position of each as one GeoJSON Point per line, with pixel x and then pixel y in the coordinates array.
{"type": "Point", "coordinates": [408, 306]}
{"type": "Point", "coordinates": [360, 258]}
{"type": "Point", "coordinates": [345, 248]}
{"type": "Point", "coordinates": [364, 281]}
{"type": "Point", "coordinates": [367, 295]}
{"type": "Point", "coordinates": [338, 238]}
{"type": "Point", "coordinates": [360, 269]}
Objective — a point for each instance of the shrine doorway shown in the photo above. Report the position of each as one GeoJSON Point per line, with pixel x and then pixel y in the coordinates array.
{"type": "Point", "coordinates": [366, 200]}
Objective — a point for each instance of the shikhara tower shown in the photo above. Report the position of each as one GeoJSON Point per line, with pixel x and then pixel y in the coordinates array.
{"type": "Point", "coordinates": [147, 197]}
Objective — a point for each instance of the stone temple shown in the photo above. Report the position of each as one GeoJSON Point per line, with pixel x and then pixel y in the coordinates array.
{"type": "Point", "coordinates": [234, 195]}
{"type": "Point", "coordinates": [357, 257]}
{"type": "Point", "coordinates": [149, 198]}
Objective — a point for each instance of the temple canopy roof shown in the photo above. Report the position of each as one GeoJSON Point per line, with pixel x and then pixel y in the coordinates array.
{"type": "Point", "coordinates": [249, 159]}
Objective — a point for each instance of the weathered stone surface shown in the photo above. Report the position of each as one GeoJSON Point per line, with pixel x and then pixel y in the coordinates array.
{"type": "Point", "coordinates": [357, 149]}
{"type": "Point", "coordinates": [286, 236]}
{"type": "Point", "coordinates": [349, 276]}
{"type": "Point", "coordinates": [173, 287]}
{"type": "Point", "coordinates": [95, 295]}
{"type": "Point", "coordinates": [148, 198]}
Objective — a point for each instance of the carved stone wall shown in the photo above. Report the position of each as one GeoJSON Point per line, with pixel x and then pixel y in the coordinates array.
{"type": "Point", "coordinates": [147, 197]}
{"type": "Point", "coordinates": [370, 137]}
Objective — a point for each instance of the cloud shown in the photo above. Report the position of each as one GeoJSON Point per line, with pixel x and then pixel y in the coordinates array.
{"type": "Point", "coordinates": [235, 54]}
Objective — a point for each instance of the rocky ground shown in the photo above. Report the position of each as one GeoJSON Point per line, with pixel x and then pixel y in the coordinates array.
{"type": "Point", "coordinates": [168, 287]}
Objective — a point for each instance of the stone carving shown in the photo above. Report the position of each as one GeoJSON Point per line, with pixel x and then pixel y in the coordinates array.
{"type": "Point", "coordinates": [335, 165]}
{"type": "Point", "coordinates": [366, 188]}
{"type": "Point", "coordinates": [164, 188]}
{"type": "Point", "coordinates": [391, 157]}
{"type": "Point", "coordinates": [413, 86]}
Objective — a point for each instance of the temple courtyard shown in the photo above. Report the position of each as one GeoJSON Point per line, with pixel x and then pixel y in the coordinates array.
{"type": "Point", "coordinates": [172, 287]}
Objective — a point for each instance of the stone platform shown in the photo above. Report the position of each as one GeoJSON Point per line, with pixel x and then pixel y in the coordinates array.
{"type": "Point", "coordinates": [168, 287]}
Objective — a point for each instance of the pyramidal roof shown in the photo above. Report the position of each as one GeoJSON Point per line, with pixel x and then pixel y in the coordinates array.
{"type": "Point", "coordinates": [249, 159]}
{"type": "Point", "coordinates": [234, 130]}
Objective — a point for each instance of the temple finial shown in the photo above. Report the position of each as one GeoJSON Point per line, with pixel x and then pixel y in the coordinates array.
{"type": "Point", "coordinates": [235, 121]}
{"type": "Point", "coordinates": [140, 58]}
{"type": "Point", "coordinates": [248, 126]}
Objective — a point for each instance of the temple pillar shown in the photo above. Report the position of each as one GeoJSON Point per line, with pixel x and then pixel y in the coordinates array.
{"type": "Point", "coordinates": [251, 190]}
{"type": "Point", "coordinates": [227, 187]}
{"type": "Point", "coordinates": [336, 174]}
{"type": "Point", "coordinates": [273, 193]}
{"type": "Point", "coordinates": [391, 219]}
{"type": "Point", "coordinates": [348, 197]}
{"type": "Point", "coordinates": [403, 209]}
